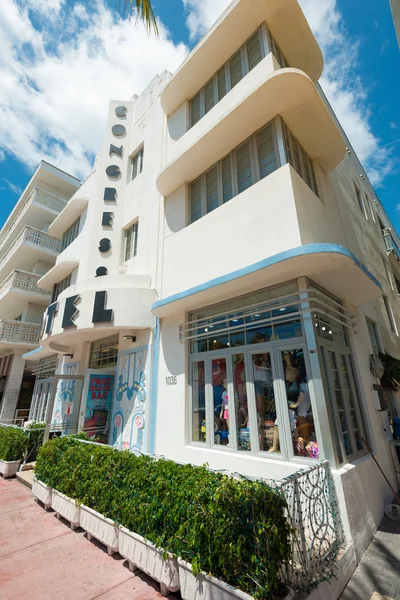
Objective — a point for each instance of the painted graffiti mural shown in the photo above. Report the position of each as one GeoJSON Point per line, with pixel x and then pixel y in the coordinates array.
{"type": "Point", "coordinates": [129, 409]}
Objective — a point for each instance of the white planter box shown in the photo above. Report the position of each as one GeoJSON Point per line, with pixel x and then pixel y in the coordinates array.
{"type": "Point", "coordinates": [204, 587]}
{"type": "Point", "coordinates": [101, 528]}
{"type": "Point", "coordinates": [42, 492]}
{"type": "Point", "coordinates": [143, 555]}
{"type": "Point", "coordinates": [66, 507]}
{"type": "Point", "coordinates": [8, 468]}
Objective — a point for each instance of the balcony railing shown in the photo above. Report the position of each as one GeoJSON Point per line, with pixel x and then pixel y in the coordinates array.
{"type": "Point", "coordinates": [37, 196]}
{"type": "Point", "coordinates": [33, 236]}
{"type": "Point", "coordinates": [391, 246]}
{"type": "Point", "coordinates": [22, 280]}
{"type": "Point", "coordinates": [19, 332]}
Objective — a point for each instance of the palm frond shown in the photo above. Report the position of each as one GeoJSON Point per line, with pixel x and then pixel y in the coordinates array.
{"type": "Point", "coordinates": [144, 13]}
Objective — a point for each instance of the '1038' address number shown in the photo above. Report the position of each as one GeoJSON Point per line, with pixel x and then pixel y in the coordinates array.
{"type": "Point", "coordinates": [172, 380]}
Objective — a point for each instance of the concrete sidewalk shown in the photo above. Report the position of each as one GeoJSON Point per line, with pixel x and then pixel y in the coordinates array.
{"type": "Point", "coordinates": [42, 559]}
{"type": "Point", "coordinates": [377, 577]}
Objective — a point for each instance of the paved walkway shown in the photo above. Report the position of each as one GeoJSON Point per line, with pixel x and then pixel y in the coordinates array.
{"type": "Point", "coordinates": [42, 559]}
{"type": "Point", "coordinates": [377, 577]}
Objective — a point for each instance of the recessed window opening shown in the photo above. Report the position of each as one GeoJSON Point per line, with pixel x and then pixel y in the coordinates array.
{"type": "Point", "coordinates": [130, 241]}
{"type": "Point", "coordinates": [60, 287]}
{"type": "Point", "coordinates": [104, 352]}
{"type": "Point", "coordinates": [137, 163]}
{"type": "Point", "coordinates": [70, 234]}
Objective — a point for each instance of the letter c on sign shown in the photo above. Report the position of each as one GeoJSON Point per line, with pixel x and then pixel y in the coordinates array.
{"type": "Point", "coordinates": [113, 171]}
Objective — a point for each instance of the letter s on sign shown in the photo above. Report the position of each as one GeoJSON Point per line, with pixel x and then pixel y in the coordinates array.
{"type": "Point", "coordinates": [105, 245]}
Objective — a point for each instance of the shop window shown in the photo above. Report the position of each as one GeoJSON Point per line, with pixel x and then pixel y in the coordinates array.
{"type": "Point", "coordinates": [345, 404]}
{"type": "Point", "coordinates": [299, 159]}
{"type": "Point", "coordinates": [60, 287]}
{"type": "Point", "coordinates": [198, 402]}
{"type": "Point", "coordinates": [389, 314]}
{"type": "Point", "coordinates": [241, 63]}
{"type": "Point", "coordinates": [253, 160]}
{"type": "Point", "coordinates": [374, 337]}
{"type": "Point", "coordinates": [71, 234]}
{"type": "Point", "coordinates": [104, 353]}
{"type": "Point", "coordinates": [131, 236]}
{"type": "Point", "coordinates": [137, 163]}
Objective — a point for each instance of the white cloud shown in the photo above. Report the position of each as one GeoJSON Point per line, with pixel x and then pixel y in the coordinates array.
{"type": "Point", "coordinates": [57, 81]}
{"type": "Point", "coordinates": [343, 87]}
{"type": "Point", "coordinates": [14, 188]}
{"type": "Point", "coordinates": [2, 155]}
{"type": "Point", "coordinates": [202, 14]}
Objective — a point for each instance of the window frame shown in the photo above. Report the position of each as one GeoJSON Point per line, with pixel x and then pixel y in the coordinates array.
{"type": "Point", "coordinates": [137, 160]}
{"type": "Point", "coordinates": [244, 62]}
{"type": "Point", "coordinates": [390, 315]}
{"type": "Point", "coordinates": [110, 338]}
{"type": "Point", "coordinates": [361, 200]}
{"type": "Point", "coordinates": [131, 237]}
{"type": "Point", "coordinates": [291, 143]}
{"type": "Point", "coordinates": [59, 287]}
{"type": "Point", "coordinates": [373, 333]}
{"type": "Point", "coordinates": [254, 166]}
{"type": "Point", "coordinates": [70, 234]}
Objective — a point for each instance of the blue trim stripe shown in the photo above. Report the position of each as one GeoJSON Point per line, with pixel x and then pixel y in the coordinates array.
{"type": "Point", "coordinates": [154, 386]}
{"type": "Point", "coordinates": [29, 354]}
{"type": "Point", "coordinates": [269, 262]}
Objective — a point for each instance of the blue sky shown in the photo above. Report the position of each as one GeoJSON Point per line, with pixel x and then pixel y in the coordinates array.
{"type": "Point", "coordinates": [61, 63]}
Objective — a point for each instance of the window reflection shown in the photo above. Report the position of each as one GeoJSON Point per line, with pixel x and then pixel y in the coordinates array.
{"type": "Point", "coordinates": [299, 406]}
{"type": "Point", "coordinates": [198, 402]}
{"type": "Point", "coordinates": [241, 403]}
{"type": "Point", "coordinates": [265, 401]}
{"type": "Point", "coordinates": [221, 402]}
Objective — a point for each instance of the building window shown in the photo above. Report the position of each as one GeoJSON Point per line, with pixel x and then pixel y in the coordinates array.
{"type": "Point", "coordinates": [137, 163]}
{"type": "Point", "coordinates": [71, 233]}
{"type": "Point", "coordinates": [360, 201]}
{"type": "Point", "coordinates": [253, 160]}
{"type": "Point", "coordinates": [368, 202]}
{"type": "Point", "coordinates": [131, 236]}
{"type": "Point", "coordinates": [299, 159]}
{"type": "Point", "coordinates": [374, 337]}
{"type": "Point", "coordinates": [397, 282]}
{"type": "Point", "coordinates": [60, 287]}
{"type": "Point", "coordinates": [104, 353]}
{"type": "Point", "coordinates": [389, 314]}
{"type": "Point", "coordinates": [275, 49]}
{"type": "Point", "coordinates": [241, 63]}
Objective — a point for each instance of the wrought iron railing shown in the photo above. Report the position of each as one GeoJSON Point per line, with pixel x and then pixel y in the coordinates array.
{"type": "Point", "coordinates": [318, 535]}
{"type": "Point", "coordinates": [37, 196]}
{"type": "Point", "coordinates": [19, 332]}
{"type": "Point", "coordinates": [33, 236]}
{"type": "Point", "coordinates": [391, 246]}
{"type": "Point", "coordinates": [22, 280]}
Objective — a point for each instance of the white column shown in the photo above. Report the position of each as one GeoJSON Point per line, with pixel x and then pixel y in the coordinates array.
{"type": "Point", "coordinates": [315, 384]}
{"type": "Point", "coordinates": [10, 397]}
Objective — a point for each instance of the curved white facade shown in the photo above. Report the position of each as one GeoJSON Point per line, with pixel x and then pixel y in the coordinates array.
{"type": "Point", "coordinates": [226, 267]}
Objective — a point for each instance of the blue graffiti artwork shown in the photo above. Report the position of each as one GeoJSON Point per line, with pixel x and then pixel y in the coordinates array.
{"type": "Point", "coordinates": [130, 399]}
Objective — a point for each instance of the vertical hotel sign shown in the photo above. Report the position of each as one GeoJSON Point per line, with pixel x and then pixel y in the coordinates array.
{"type": "Point", "coordinates": [100, 313]}
{"type": "Point", "coordinates": [98, 406]}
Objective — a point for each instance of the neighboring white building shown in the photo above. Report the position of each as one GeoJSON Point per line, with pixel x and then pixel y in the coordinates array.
{"type": "Point", "coordinates": [395, 4]}
{"type": "Point", "coordinates": [27, 252]}
{"type": "Point", "coordinates": [230, 273]}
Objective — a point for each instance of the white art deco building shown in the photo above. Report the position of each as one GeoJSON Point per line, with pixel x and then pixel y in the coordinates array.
{"type": "Point", "coordinates": [27, 252]}
{"type": "Point", "coordinates": [231, 276]}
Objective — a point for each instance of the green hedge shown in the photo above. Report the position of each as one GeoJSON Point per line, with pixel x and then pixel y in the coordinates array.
{"type": "Point", "coordinates": [233, 528]}
{"type": "Point", "coordinates": [13, 443]}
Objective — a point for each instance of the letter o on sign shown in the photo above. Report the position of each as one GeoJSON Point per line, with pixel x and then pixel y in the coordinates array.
{"type": "Point", "coordinates": [118, 130]}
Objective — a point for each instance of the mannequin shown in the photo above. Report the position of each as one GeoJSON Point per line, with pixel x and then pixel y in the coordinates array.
{"type": "Point", "coordinates": [295, 397]}
{"type": "Point", "coordinates": [225, 404]}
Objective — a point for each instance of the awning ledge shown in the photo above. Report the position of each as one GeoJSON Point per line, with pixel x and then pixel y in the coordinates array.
{"type": "Point", "coordinates": [332, 266]}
